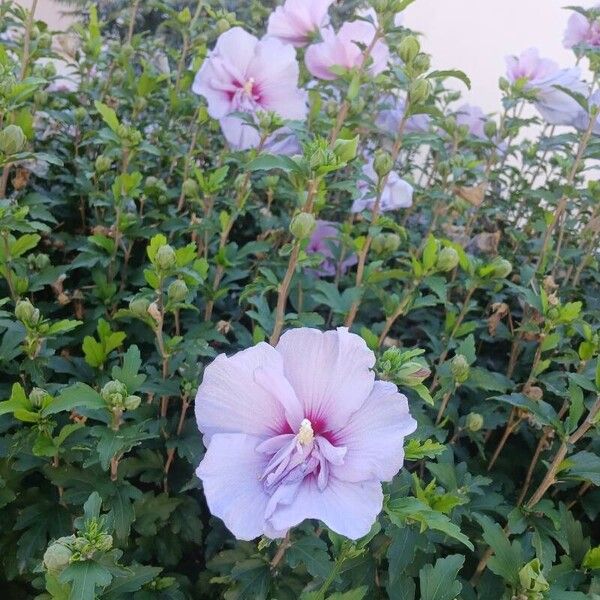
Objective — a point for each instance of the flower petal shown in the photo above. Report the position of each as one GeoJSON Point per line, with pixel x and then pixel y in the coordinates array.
{"type": "Point", "coordinates": [330, 373]}
{"type": "Point", "coordinates": [230, 474]}
{"type": "Point", "coordinates": [349, 509]}
{"type": "Point", "coordinates": [374, 436]}
{"type": "Point", "coordinates": [231, 400]}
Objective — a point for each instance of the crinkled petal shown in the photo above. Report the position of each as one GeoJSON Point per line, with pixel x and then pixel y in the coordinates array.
{"type": "Point", "coordinates": [349, 509]}
{"type": "Point", "coordinates": [230, 473]}
{"type": "Point", "coordinates": [239, 134]}
{"type": "Point", "coordinates": [230, 400]}
{"type": "Point", "coordinates": [374, 436]}
{"type": "Point", "coordinates": [330, 373]}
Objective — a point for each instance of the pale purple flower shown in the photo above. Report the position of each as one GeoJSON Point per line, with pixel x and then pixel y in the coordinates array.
{"type": "Point", "coordinates": [297, 21]}
{"type": "Point", "coordinates": [473, 118]}
{"type": "Point", "coordinates": [582, 120]}
{"type": "Point", "coordinates": [342, 49]}
{"type": "Point", "coordinates": [299, 431]}
{"type": "Point", "coordinates": [325, 240]}
{"type": "Point", "coordinates": [397, 193]}
{"type": "Point", "coordinates": [283, 141]}
{"type": "Point", "coordinates": [244, 74]}
{"type": "Point", "coordinates": [581, 31]}
{"type": "Point", "coordinates": [542, 76]}
{"type": "Point", "coordinates": [389, 117]}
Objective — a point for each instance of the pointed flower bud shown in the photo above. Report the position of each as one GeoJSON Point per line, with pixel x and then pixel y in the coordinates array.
{"type": "Point", "coordinates": [460, 369]}
{"type": "Point", "coordinates": [303, 225]}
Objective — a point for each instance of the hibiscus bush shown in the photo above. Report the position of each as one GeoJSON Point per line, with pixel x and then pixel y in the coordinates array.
{"type": "Point", "coordinates": [282, 317]}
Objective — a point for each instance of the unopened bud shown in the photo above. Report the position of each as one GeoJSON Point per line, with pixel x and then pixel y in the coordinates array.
{"type": "Point", "coordinates": [165, 258]}
{"type": "Point", "coordinates": [114, 394]}
{"type": "Point", "coordinates": [408, 49]}
{"type": "Point", "coordinates": [102, 164]}
{"type": "Point", "coordinates": [58, 555]}
{"type": "Point", "coordinates": [303, 225]}
{"type": "Point", "coordinates": [190, 188]}
{"type": "Point", "coordinates": [490, 129]}
{"type": "Point", "coordinates": [139, 306]}
{"type": "Point", "coordinates": [346, 150]}
{"type": "Point", "coordinates": [447, 260]}
{"type": "Point", "coordinates": [386, 243]}
{"type": "Point", "coordinates": [419, 91]}
{"type": "Point", "coordinates": [37, 396]}
{"type": "Point", "coordinates": [474, 422]}
{"type": "Point", "coordinates": [421, 64]}
{"type": "Point", "coordinates": [12, 140]}
{"type": "Point", "coordinates": [502, 268]}
{"type": "Point", "coordinates": [223, 25]}
{"type": "Point", "coordinates": [105, 542]}
{"type": "Point", "coordinates": [27, 313]}
{"type": "Point", "coordinates": [459, 368]}
{"type": "Point", "coordinates": [132, 402]}
{"type": "Point", "coordinates": [177, 291]}
{"type": "Point", "coordinates": [382, 163]}
{"type": "Point", "coordinates": [533, 392]}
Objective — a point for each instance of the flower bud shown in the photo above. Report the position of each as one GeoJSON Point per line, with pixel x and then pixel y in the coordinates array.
{"type": "Point", "coordinates": [408, 49]}
{"type": "Point", "coordinates": [532, 580]}
{"type": "Point", "coordinates": [151, 184]}
{"type": "Point", "coordinates": [37, 396]}
{"type": "Point", "coordinates": [502, 268]}
{"type": "Point", "coordinates": [386, 243]}
{"type": "Point", "coordinates": [490, 129]}
{"type": "Point", "coordinates": [473, 422]}
{"type": "Point", "coordinates": [41, 261]}
{"type": "Point", "coordinates": [139, 306]}
{"type": "Point", "coordinates": [459, 368]}
{"type": "Point", "coordinates": [49, 70]}
{"type": "Point", "coordinates": [303, 225]}
{"type": "Point", "coordinates": [382, 163]}
{"type": "Point", "coordinates": [102, 164]}
{"type": "Point", "coordinates": [165, 258]}
{"type": "Point", "coordinates": [114, 394]}
{"type": "Point", "coordinates": [12, 140]}
{"type": "Point", "coordinates": [177, 291]}
{"type": "Point", "coordinates": [421, 64]}
{"type": "Point", "coordinates": [105, 542]}
{"type": "Point", "coordinates": [40, 97]}
{"type": "Point", "coordinates": [26, 313]}
{"type": "Point", "coordinates": [58, 555]}
{"type": "Point", "coordinates": [223, 25]}
{"type": "Point", "coordinates": [345, 150]}
{"type": "Point", "coordinates": [44, 41]}
{"type": "Point", "coordinates": [132, 402]}
{"type": "Point", "coordinates": [412, 374]}
{"type": "Point", "coordinates": [447, 260]}
{"type": "Point", "coordinates": [534, 392]}
{"type": "Point", "coordinates": [419, 91]}
{"type": "Point", "coordinates": [190, 188]}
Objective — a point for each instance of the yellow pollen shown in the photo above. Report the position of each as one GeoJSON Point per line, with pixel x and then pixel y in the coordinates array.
{"type": "Point", "coordinates": [305, 434]}
{"type": "Point", "coordinates": [248, 86]}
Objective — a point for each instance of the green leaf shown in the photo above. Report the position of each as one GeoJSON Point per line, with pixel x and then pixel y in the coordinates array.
{"type": "Point", "coordinates": [582, 466]}
{"type": "Point", "coordinates": [416, 450]}
{"type": "Point", "coordinates": [26, 242]}
{"type": "Point", "coordinates": [311, 552]}
{"type": "Point", "coordinates": [108, 115]}
{"type": "Point", "coordinates": [122, 587]}
{"type": "Point", "coordinates": [85, 578]}
{"type": "Point", "coordinates": [455, 73]}
{"type": "Point", "coordinates": [128, 373]}
{"type": "Point", "coordinates": [508, 558]}
{"type": "Point", "coordinates": [591, 560]}
{"type": "Point", "coordinates": [357, 594]}
{"type": "Point", "coordinates": [63, 326]}
{"type": "Point", "coordinates": [439, 581]}
{"type": "Point", "coordinates": [75, 396]}
{"type": "Point", "coordinates": [430, 253]}
{"type": "Point", "coordinates": [267, 162]}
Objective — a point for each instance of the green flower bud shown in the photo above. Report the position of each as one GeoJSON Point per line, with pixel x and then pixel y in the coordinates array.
{"type": "Point", "coordinates": [473, 422]}
{"type": "Point", "coordinates": [49, 70]}
{"type": "Point", "coordinates": [382, 163]}
{"type": "Point", "coordinates": [132, 402]}
{"type": "Point", "coordinates": [102, 164]}
{"type": "Point", "coordinates": [346, 150]}
{"type": "Point", "coordinates": [37, 397]}
{"type": "Point", "coordinates": [80, 113]}
{"type": "Point", "coordinates": [165, 258]}
{"type": "Point", "coordinates": [190, 188]}
{"type": "Point", "coordinates": [27, 313]}
{"type": "Point", "coordinates": [386, 243]}
{"type": "Point", "coordinates": [303, 225]}
{"type": "Point", "coordinates": [177, 291]}
{"type": "Point", "coordinates": [151, 184]}
{"type": "Point", "coordinates": [419, 91]}
{"type": "Point", "coordinates": [460, 369]}
{"type": "Point", "coordinates": [140, 103]}
{"type": "Point", "coordinates": [532, 579]}
{"type": "Point", "coordinates": [408, 49]}
{"type": "Point", "coordinates": [44, 41]}
{"type": "Point", "coordinates": [502, 268]}
{"type": "Point", "coordinates": [139, 307]}
{"type": "Point", "coordinates": [447, 260]}
{"type": "Point", "coordinates": [41, 261]}
{"type": "Point", "coordinates": [114, 394]}
{"type": "Point", "coordinates": [58, 555]}
{"type": "Point", "coordinates": [105, 542]}
{"type": "Point", "coordinates": [421, 64]}
{"type": "Point", "coordinates": [223, 25]}
{"type": "Point", "coordinates": [411, 374]}
{"type": "Point", "coordinates": [378, 244]}
{"type": "Point", "coordinates": [12, 140]}
{"type": "Point", "coordinates": [490, 128]}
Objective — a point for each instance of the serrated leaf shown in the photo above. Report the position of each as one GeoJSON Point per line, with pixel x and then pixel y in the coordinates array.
{"type": "Point", "coordinates": [78, 395]}
{"type": "Point", "coordinates": [86, 579]}
{"type": "Point", "coordinates": [439, 581]}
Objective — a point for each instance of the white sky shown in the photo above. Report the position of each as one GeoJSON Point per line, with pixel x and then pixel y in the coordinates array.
{"type": "Point", "coordinates": [471, 35]}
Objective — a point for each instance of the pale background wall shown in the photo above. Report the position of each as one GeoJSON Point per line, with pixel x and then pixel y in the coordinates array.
{"type": "Point", "coordinates": [471, 35]}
